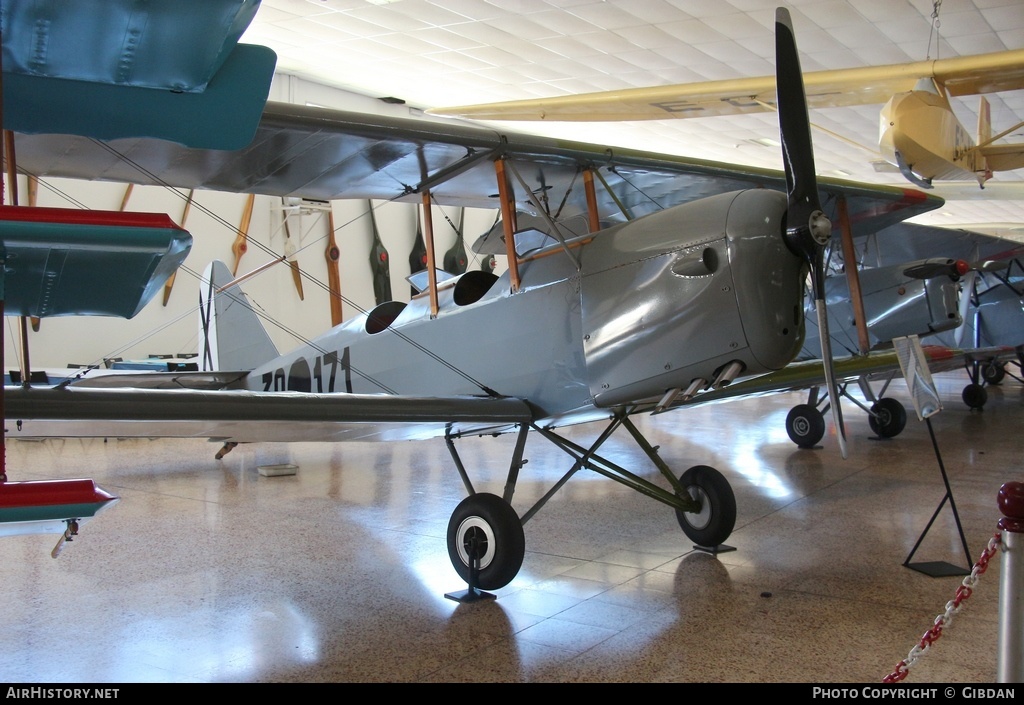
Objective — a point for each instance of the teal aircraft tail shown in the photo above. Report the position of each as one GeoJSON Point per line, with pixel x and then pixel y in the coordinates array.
{"type": "Point", "coordinates": [231, 336]}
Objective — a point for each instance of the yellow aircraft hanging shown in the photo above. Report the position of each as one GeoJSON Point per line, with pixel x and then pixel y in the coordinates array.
{"type": "Point", "coordinates": [919, 132]}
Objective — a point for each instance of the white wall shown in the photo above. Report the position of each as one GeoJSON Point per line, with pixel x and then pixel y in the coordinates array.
{"type": "Point", "coordinates": [213, 220]}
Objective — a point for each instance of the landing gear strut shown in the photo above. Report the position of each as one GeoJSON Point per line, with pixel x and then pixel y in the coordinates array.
{"type": "Point", "coordinates": [486, 542]}
{"type": "Point", "coordinates": [805, 423]}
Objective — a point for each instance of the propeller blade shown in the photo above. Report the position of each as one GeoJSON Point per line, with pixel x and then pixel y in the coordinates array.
{"type": "Point", "coordinates": [965, 303]}
{"type": "Point", "coordinates": [808, 230]}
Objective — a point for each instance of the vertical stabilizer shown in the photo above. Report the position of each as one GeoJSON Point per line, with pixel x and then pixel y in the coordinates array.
{"type": "Point", "coordinates": [231, 336]}
{"type": "Point", "coordinates": [984, 122]}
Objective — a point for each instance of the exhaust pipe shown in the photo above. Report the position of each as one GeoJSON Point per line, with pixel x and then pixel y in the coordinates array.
{"type": "Point", "coordinates": [727, 374]}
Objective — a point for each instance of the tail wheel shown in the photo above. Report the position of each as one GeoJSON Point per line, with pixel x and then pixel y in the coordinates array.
{"type": "Point", "coordinates": [486, 526]}
{"type": "Point", "coordinates": [805, 425]}
{"type": "Point", "coordinates": [974, 396]}
{"type": "Point", "coordinates": [717, 516]}
{"type": "Point", "coordinates": [888, 418]}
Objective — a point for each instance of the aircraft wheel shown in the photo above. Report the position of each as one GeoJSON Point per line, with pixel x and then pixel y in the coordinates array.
{"type": "Point", "coordinates": [974, 396]}
{"type": "Point", "coordinates": [888, 418]}
{"type": "Point", "coordinates": [993, 373]}
{"type": "Point", "coordinates": [805, 425]}
{"type": "Point", "coordinates": [717, 516]}
{"type": "Point", "coordinates": [487, 524]}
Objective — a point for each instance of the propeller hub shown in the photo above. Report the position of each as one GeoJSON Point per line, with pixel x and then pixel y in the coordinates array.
{"type": "Point", "coordinates": [820, 227]}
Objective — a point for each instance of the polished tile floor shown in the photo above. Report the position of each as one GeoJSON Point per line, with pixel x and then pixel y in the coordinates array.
{"type": "Point", "coordinates": [209, 571]}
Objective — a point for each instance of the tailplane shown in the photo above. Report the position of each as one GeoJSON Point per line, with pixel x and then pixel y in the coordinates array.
{"type": "Point", "coordinates": [231, 336]}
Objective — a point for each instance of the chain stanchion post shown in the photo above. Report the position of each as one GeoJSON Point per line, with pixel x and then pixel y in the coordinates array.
{"type": "Point", "coordinates": [1010, 667]}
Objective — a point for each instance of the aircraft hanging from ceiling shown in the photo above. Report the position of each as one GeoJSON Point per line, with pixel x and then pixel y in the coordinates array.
{"type": "Point", "coordinates": [919, 132]}
{"type": "Point", "coordinates": [688, 276]}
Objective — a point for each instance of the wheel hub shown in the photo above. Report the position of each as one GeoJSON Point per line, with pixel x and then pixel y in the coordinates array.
{"type": "Point", "coordinates": [476, 535]}
{"type": "Point", "coordinates": [699, 520]}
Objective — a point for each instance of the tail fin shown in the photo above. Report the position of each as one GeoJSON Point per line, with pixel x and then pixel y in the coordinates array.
{"type": "Point", "coordinates": [231, 336]}
{"type": "Point", "coordinates": [984, 122]}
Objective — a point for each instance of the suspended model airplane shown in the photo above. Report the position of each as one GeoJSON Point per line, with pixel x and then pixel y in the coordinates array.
{"type": "Point", "coordinates": [920, 134]}
{"type": "Point", "coordinates": [688, 275]}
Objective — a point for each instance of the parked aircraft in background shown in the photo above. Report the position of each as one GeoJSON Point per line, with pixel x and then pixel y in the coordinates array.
{"type": "Point", "coordinates": [934, 298]}
{"type": "Point", "coordinates": [993, 317]}
{"type": "Point", "coordinates": [688, 276]}
{"type": "Point", "coordinates": [991, 302]}
{"type": "Point", "coordinates": [920, 134]}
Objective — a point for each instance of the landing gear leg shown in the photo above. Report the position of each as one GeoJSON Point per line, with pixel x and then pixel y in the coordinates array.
{"type": "Point", "coordinates": [704, 502]}
{"type": "Point", "coordinates": [974, 394]}
{"type": "Point", "coordinates": [486, 543]}
{"type": "Point", "coordinates": [225, 449]}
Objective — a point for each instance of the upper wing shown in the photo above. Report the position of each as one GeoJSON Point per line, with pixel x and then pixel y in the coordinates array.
{"type": "Point", "coordinates": [965, 75]}
{"type": "Point", "coordinates": [327, 154]}
{"type": "Point", "coordinates": [245, 416]}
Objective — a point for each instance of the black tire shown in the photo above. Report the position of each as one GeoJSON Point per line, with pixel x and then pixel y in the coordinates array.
{"type": "Point", "coordinates": [805, 425]}
{"type": "Point", "coordinates": [888, 418]}
{"type": "Point", "coordinates": [494, 526]}
{"type": "Point", "coordinates": [717, 517]}
{"type": "Point", "coordinates": [974, 396]}
{"type": "Point", "coordinates": [993, 373]}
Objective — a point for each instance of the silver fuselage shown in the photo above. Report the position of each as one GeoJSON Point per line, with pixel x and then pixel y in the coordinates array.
{"type": "Point", "coordinates": [651, 305]}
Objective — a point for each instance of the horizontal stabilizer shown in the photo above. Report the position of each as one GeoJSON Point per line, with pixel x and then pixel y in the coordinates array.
{"type": "Point", "coordinates": [1004, 157]}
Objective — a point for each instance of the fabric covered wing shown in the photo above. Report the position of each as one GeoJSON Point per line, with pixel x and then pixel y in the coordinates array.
{"type": "Point", "coordinates": [242, 416]}
{"type": "Point", "coordinates": [328, 154]}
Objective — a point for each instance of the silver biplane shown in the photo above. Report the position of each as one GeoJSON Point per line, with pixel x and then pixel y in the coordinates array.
{"type": "Point", "coordinates": [636, 283]}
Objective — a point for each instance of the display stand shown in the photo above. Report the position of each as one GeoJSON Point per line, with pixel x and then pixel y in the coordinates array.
{"type": "Point", "coordinates": [918, 377]}
{"type": "Point", "coordinates": [472, 593]}
{"type": "Point", "coordinates": [940, 569]}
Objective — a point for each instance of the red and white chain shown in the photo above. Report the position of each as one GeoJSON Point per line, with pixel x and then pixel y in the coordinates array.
{"type": "Point", "coordinates": [943, 620]}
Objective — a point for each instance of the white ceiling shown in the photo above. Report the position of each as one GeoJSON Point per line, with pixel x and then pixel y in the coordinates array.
{"type": "Point", "coordinates": [433, 53]}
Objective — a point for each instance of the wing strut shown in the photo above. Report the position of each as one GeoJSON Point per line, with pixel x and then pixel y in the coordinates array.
{"type": "Point", "coordinates": [33, 195]}
{"type": "Point", "coordinates": [556, 231]}
{"type": "Point", "coordinates": [593, 217]}
{"type": "Point", "coordinates": [428, 239]}
{"type": "Point", "coordinates": [12, 179]}
{"type": "Point", "coordinates": [508, 221]}
{"type": "Point", "coordinates": [853, 278]}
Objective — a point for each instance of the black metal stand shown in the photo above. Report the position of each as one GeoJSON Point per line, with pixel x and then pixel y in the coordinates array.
{"type": "Point", "coordinates": [714, 550]}
{"type": "Point", "coordinates": [472, 593]}
{"type": "Point", "coordinates": [940, 569]}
